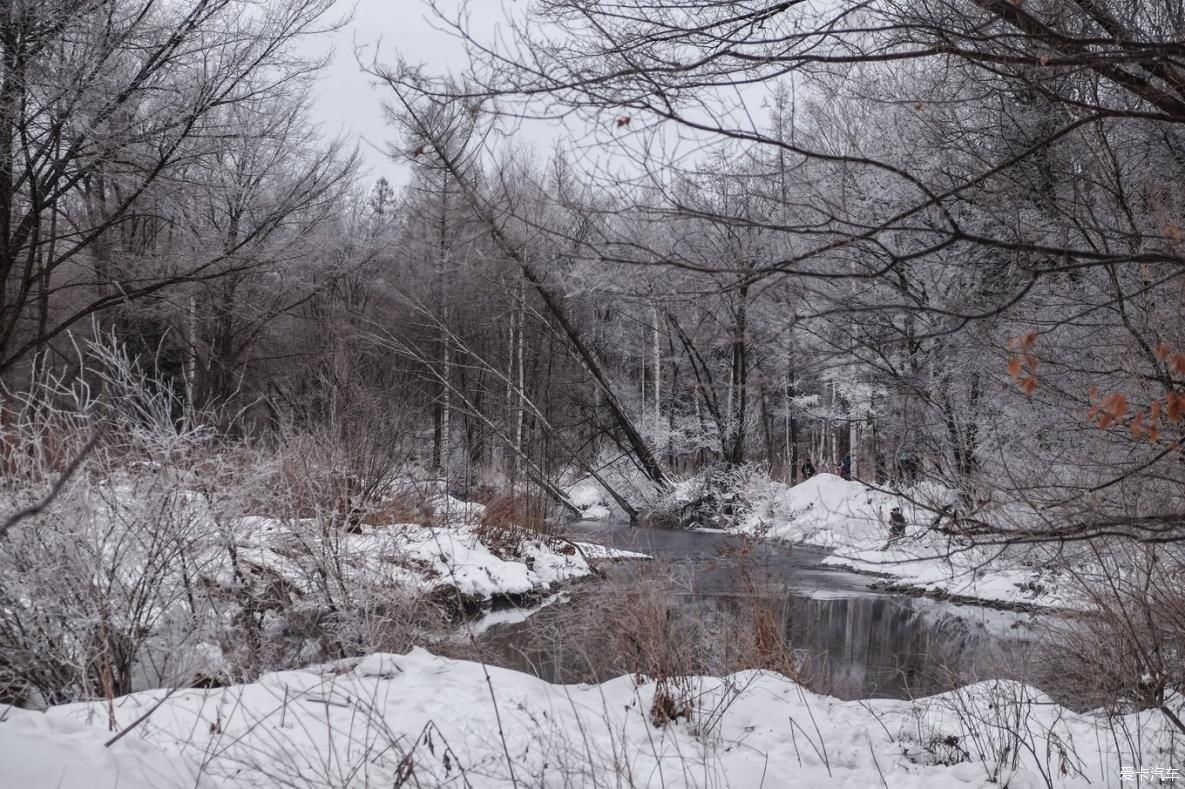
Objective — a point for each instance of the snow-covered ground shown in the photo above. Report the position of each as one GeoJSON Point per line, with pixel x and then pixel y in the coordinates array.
{"type": "Point", "coordinates": [422, 720]}
{"type": "Point", "coordinates": [853, 519]}
{"type": "Point", "coordinates": [593, 551]}
{"type": "Point", "coordinates": [591, 500]}
{"type": "Point", "coordinates": [419, 558]}
{"type": "Point", "coordinates": [246, 593]}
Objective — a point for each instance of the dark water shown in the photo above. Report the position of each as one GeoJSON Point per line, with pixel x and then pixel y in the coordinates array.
{"type": "Point", "coordinates": [712, 593]}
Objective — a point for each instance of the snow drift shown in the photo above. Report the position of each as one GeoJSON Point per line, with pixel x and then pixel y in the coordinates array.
{"type": "Point", "coordinates": [417, 719]}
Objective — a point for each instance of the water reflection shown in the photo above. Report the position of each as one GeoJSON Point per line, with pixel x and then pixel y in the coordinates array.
{"type": "Point", "coordinates": [866, 646]}
{"type": "Point", "coordinates": [711, 596]}
{"type": "Point", "coordinates": [874, 646]}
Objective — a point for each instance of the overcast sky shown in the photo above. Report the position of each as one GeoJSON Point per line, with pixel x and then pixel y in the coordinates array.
{"type": "Point", "coordinates": [348, 104]}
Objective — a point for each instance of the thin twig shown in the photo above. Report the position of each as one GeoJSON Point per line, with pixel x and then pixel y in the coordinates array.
{"type": "Point", "coordinates": [36, 509]}
{"type": "Point", "coordinates": [147, 714]}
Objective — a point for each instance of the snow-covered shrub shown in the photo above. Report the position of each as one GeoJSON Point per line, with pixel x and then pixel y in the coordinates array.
{"type": "Point", "coordinates": [1004, 725]}
{"type": "Point", "coordinates": [99, 589]}
{"type": "Point", "coordinates": [173, 556]}
{"type": "Point", "coordinates": [716, 497]}
{"type": "Point", "coordinates": [620, 473]}
{"type": "Point", "coordinates": [95, 584]}
{"type": "Point", "coordinates": [592, 501]}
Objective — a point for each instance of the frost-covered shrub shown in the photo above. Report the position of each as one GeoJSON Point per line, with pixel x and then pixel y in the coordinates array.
{"type": "Point", "coordinates": [718, 497]}
{"type": "Point", "coordinates": [1125, 649]}
{"type": "Point", "coordinates": [148, 568]}
{"type": "Point", "coordinates": [1002, 724]}
{"type": "Point", "coordinates": [91, 583]}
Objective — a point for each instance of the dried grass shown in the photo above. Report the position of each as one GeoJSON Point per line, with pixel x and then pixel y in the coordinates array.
{"type": "Point", "coordinates": [511, 520]}
{"type": "Point", "coordinates": [403, 507]}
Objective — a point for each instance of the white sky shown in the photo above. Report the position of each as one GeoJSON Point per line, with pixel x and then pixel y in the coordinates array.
{"type": "Point", "coordinates": [347, 103]}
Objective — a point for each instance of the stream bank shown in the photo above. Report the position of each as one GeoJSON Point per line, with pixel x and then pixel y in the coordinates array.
{"type": "Point", "coordinates": [849, 639]}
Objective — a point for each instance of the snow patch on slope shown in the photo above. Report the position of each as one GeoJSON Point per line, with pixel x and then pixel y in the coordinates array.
{"type": "Point", "coordinates": [62, 752]}
{"type": "Point", "coordinates": [364, 723]}
{"type": "Point", "coordinates": [591, 500]}
{"type": "Point", "coordinates": [853, 519]}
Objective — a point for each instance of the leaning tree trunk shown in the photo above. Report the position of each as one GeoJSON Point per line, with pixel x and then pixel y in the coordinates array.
{"type": "Point", "coordinates": [588, 359]}
{"type": "Point", "coordinates": [452, 163]}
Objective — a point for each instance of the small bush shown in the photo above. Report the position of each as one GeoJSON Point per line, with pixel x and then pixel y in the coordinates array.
{"type": "Point", "coordinates": [670, 703]}
{"type": "Point", "coordinates": [509, 521]}
{"type": "Point", "coordinates": [1125, 649]}
{"type": "Point", "coordinates": [403, 507]}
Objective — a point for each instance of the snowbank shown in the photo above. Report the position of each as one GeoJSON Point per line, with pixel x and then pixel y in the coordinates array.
{"type": "Point", "coordinates": [591, 550]}
{"type": "Point", "coordinates": [417, 719]}
{"type": "Point", "coordinates": [206, 595]}
{"type": "Point", "coordinates": [591, 500]}
{"type": "Point", "coordinates": [457, 512]}
{"type": "Point", "coordinates": [58, 751]}
{"type": "Point", "coordinates": [419, 558]}
{"type": "Point", "coordinates": [853, 519]}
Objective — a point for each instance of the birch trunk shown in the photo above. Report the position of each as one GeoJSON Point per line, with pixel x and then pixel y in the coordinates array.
{"type": "Point", "coordinates": [657, 365]}
{"type": "Point", "coordinates": [519, 412]}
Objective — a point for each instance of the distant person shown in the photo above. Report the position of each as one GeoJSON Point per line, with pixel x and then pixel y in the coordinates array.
{"type": "Point", "coordinates": [808, 469]}
{"type": "Point", "coordinates": [845, 468]}
{"type": "Point", "coordinates": [896, 523]}
{"type": "Point", "coordinates": [907, 465]}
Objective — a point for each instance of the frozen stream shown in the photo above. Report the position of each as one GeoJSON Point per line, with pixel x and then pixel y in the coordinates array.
{"type": "Point", "coordinates": [847, 640]}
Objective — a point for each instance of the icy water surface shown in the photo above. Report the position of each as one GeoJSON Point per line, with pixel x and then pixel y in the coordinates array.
{"type": "Point", "coordinates": [847, 640]}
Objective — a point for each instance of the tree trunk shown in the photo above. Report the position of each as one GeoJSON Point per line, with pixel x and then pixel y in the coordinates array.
{"type": "Point", "coordinates": [445, 410]}
{"type": "Point", "coordinates": [657, 365]}
{"type": "Point", "coordinates": [450, 162]}
{"type": "Point", "coordinates": [767, 429]}
{"type": "Point", "coordinates": [442, 415]}
{"type": "Point", "coordinates": [740, 376]}
{"type": "Point", "coordinates": [853, 437]}
{"type": "Point", "coordinates": [791, 426]}
{"type": "Point", "coordinates": [519, 412]}
{"type": "Point", "coordinates": [637, 444]}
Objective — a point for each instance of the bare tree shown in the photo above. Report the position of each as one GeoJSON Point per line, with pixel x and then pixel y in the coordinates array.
{"type": "Point", "coordinates": [102, 104]}
{"type": "Point", "coordinates": [433, 126]}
